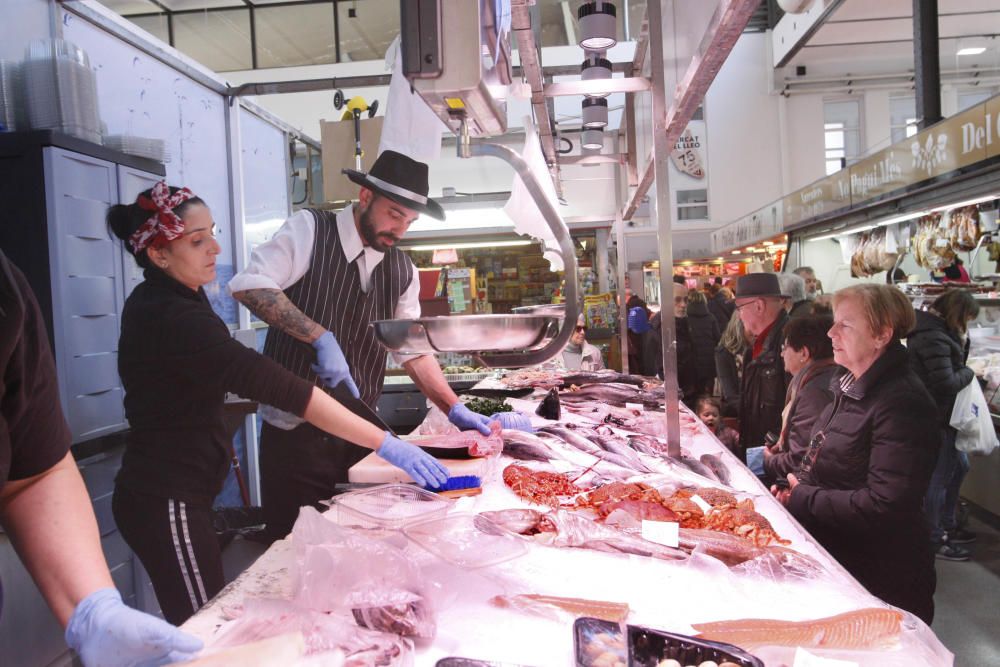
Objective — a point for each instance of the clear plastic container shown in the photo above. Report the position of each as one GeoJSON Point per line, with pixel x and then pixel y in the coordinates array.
{"type": "Point", "coordinates": [457, 539]}
{"type": "Point", "coordinates": [390, 506]}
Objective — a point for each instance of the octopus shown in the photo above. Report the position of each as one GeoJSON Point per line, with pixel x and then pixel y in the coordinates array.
{"type": "Point", "coordinates": [539, 487]}
{"type": "Point", "coordinates": [745, 523]}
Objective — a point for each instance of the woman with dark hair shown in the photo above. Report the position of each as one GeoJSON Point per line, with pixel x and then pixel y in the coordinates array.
{"type": "Point", "coordinates": [729, 364]}
{"type": "Point", "coordinates": [860, 488]}
{"type": "Point", "coordinates": [939, 349]}
{"type": "Point", "coordinates": [177, 360]}
{"type": "Point", "coordinates": [808, 355]}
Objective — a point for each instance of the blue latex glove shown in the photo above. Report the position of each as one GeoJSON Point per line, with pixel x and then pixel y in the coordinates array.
{"type": "Point", "coordinates": [107, 633]}
{"type": "Point", "coordinates": [418, 464]}
{"type": "Point", "coordinates": [515, 421]}
{"type": "Point", "coordinates": [466, 419]}
{"type": "Point", "coordinates": [331, 366]}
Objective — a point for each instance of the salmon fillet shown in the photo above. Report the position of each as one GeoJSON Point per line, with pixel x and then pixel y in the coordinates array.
{"type": "Point", "coordinates": [860, 629]}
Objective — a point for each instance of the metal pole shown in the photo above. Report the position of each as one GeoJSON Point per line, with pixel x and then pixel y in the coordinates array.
{"type": "Point", "coordinates": [661, 155]}
{"type": "Point", "coordinates": [926, 63]}
{"type": "Point", "coordinates": [622, 311]}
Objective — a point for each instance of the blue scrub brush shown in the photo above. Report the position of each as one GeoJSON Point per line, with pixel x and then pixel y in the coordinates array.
{"type": "Point", "coordinates": [460, 485]}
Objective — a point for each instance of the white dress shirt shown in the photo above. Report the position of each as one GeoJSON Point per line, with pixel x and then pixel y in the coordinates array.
{"type": "Point", "coordinates": [282, 261]}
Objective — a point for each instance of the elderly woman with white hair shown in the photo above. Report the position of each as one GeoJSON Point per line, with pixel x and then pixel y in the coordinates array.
{"type": "Point", "coordinates": [863, 478]}
{"type": "Point", "coordinates": [793, 295]}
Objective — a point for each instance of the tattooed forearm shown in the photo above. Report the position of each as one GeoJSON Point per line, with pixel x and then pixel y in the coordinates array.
{"type": "Point", "coordinates": [274, 307]}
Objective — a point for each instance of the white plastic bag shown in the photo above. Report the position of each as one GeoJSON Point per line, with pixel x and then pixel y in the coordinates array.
{"type": "Point", "coordinates": [971, 418]}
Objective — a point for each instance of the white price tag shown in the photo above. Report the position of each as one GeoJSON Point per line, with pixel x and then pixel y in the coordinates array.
{"type": "Point", "coordinates": [666, 533]}
{"type": "Point", "coordinates": [635, 406]}
{"type": "Point", "coordinates": [701, 503]}
{"type": "Point", "coordinates": [561, 466]}
{"type": "Point", "coordinates": [804, 658]}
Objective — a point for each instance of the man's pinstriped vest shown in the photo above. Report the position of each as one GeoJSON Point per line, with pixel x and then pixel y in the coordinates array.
{"type": "Point", "coordinates": [330, 294]}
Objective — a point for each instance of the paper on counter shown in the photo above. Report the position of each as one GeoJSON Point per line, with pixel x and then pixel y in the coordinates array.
{"type": "Point", "coordinates": [666, 533]}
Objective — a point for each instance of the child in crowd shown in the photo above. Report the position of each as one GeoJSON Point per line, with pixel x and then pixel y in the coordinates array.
{"type": "Point", "coordinates": [709, 411]}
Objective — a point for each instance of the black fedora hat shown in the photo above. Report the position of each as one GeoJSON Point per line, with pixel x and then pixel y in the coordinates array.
{"type": "Point", "coordinates": [401, 179]}
{"type": "Point", "coordinates": [757, 285]}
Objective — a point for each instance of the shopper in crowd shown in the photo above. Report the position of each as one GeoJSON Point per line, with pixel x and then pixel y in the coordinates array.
{"type": "Point", "coordinates": [44, 506]}
{"type": "Point", "coordinates": [679, 280]}
{"type": "Point", "coordinates": [637, 321]}
{"type": "Point", "coordinates": [793, 295]}
{"type": "Point", "coordinates": [729, 355]}
{"type": "Point", "coordinates": [813, 287]}
{"type": "Point", "coordinates": [762, 390]}
{"type": "Point", "coordinates": [721, 305]}
{"type": "Point", "coordinates": [653, 352]}
{"type": "Point", "coordinates": [861, 485]}
{"type": "Point", "coordinates": [177, 361]}
{"type": "Point", "coordinates": [579, 355]}
{"type": "Point", "coordinates": [808, 356]}
{"type": "Point", "coordinates": [709, 411]}
{"type": "Point", "coordinates": [705, 334]}
{"type": "Point", "coordinates": [939, 348]}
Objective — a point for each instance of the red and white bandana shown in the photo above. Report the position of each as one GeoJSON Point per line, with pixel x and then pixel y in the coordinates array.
{"type": "Point", "coordinates": [164, 225]}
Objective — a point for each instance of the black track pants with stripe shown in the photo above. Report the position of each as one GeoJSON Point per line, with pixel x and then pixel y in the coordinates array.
{"type": "Point", "coordinates": [178, 547]}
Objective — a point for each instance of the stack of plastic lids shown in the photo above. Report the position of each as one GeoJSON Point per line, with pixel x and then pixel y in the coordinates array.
{"type": "Point", "coordinates": [60, 89]}
{"type": "Point", "coordinates": [154, 149]}
{"type": "Point", "coordinates": [12, 112]}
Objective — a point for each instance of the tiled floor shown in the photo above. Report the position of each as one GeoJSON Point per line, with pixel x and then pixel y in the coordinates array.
{"type": "Point", "coordinates": [967, 603]}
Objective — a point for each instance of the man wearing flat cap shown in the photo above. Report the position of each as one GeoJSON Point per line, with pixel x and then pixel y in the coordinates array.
{"type": "Point", "coordinates": [762, 394]}
{"type": "Point", "coordinates": [319, 283]}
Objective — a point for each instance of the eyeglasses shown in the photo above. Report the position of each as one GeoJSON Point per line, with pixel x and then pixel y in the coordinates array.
{"type": "Point", "coordinates": [579, 329]}
{"type": "Point", "coordinates": [741, 306]}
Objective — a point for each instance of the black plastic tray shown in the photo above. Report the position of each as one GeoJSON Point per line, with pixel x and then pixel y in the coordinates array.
{"type": "Point", "coordinates": [647, 647]}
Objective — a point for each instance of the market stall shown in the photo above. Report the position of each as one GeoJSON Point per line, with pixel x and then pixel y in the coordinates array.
{"type": "Point", "coordinates": [477, 580]}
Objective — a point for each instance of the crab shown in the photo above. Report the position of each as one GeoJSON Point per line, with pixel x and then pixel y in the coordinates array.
{"type": "Point", "coordinates": [744, 523]}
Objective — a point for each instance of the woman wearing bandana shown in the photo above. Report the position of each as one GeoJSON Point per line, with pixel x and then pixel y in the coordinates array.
{"type": "Point", "coordinates": [177, 360]}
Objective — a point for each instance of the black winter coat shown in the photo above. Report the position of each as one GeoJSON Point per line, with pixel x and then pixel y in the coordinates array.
{"type": "Point", "coordinates": [762, 391]}
{"type": "Point", "coordinates": [705, 335]}
{"type": "Point", "coordinates": [729, 381]}
{"type": "Point", "coordinates": [653, 352]}
{"type": "Point", "coordinates": [812, 397]}
{"type": "Point", "coordinates": [862, 495]}
{"type": "Point", "coordinates": [721, 309]}
{"type": "Point", "coordinates": [938, 357]}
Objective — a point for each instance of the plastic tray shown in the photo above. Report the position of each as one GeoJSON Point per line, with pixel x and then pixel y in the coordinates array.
{"type": "Point", "coordinates": [648, 647]}
{"type": "Point", "coordinates": [456, 539]}
{"type": "Point", "coordinates": [390, 506]}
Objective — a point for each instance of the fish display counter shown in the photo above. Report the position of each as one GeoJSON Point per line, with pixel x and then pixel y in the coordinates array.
{"type": "Point", "coordinates": [585, 544]}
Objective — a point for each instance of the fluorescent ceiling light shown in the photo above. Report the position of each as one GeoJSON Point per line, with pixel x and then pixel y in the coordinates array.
{"type": "Point", "coordinates": [734, 252]}
{"type": "Point", "coordinates": [466, 246]}
{"type": "Point", "coordinates": [971, 51]}
{"type": "Point", "coordinates": [767, 243]}
{"type": "Point", "coordinates": [901, 218]}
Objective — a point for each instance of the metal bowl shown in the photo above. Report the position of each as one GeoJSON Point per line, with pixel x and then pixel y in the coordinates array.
{"type": "Point", "coordinates": [465, 333]}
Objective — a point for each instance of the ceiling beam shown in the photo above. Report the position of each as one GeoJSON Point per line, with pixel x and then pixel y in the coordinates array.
{"type": "Point", "coordinates": [793, 31]}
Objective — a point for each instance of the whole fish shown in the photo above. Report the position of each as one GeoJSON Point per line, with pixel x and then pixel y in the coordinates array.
{"type": "Point", "coordinates": [647, 444]}
{"type": "Point", "coordinates": [717, 466]}
{"type": "Point", "coordinates": [874, 627]}
{"type": "Point", "coordinates": [698, 468]}
{"type": "Point", "coordinates": [519, 521]}
{"type": "Point", "coordinates": [617, 446]}
{"type": "Point", "coordinates": [583, 378]}
{"type": "Point", "coordinates": [574, 530]}
{"type": "Point", "coordinates": [612, 393]}
{"type": "Point", "coordinates": [573, 438]}
{"type": "Point", "coordinates": [526, 446]}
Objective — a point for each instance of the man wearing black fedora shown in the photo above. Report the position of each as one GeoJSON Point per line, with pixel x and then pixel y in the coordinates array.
{"type": "Point", "coordinates": [319, 282]}
{"type": "Point", "coordinates": [762, 390]}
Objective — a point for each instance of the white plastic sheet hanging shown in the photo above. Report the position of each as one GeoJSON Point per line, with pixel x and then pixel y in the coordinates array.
{"type": "Point", "coordinates": [410, 126]}
{"type": "Point", "coordinates": [521, 207]}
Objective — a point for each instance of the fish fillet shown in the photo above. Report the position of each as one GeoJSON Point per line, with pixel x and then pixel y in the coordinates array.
{"type": "Point", "coordinates": [608, 611]}
{"type": "Point", "coordinates": [860, 629]}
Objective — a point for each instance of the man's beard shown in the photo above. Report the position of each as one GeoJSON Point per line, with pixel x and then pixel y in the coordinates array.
{"type": "Point", "coordinates": [368, 233]}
